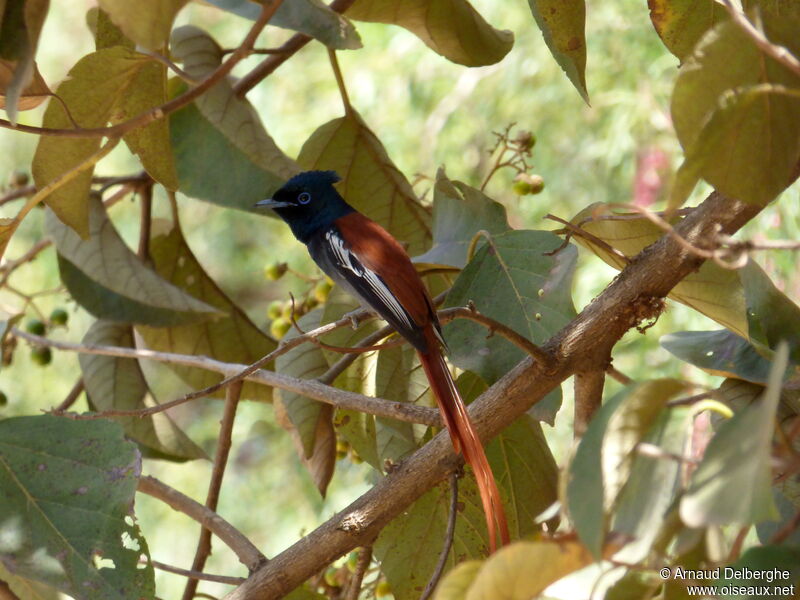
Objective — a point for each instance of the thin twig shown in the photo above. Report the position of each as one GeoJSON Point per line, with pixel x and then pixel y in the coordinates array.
{"type": "Point", "coordinates": [171, 65]}
{"type": "Point", "coordinates": [282, 54]}
{"type": "Point", "coordinates": [354, 586]}
{"type": "Point", "coordinates": [159, 112]}
{"type": "Point", "coordinates": [337, 73]}
{"type": "Point", "coordinates": [72, 396]}
{"type": "Point", "coordinates": [232, 396]}
{"type": "Point", "coordinates": [145, 220]}
{"type": "Point", "coordinates": [448, 540]}
{"type": "Point", "coordinates": [788, 529]}
{"type": "Point", "coordinates": [196, 575]}
{"type": "Point", "coordinates": [577, 230]}
{"type": "Point", "coordinates": [777, 53]}
{"type": "Point", "coordinates": [248, 554]}
{"type": "Point", "coordinates": [402, 411]}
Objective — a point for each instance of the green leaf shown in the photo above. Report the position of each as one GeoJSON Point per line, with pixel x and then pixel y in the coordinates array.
{"type": "Point", "coordinates": [305, 361]}
{"type": "Point", "coordinates": [409, 546]}
{"type": "Point", "coordinates": [721, 353]}
{"type": "Point", "coordinates": [718, 101]}
{"type": "Point", "coordinates": [766, 560]}
{"type": "Point", "coordinates": [585, 481]}
{"type": "Point", "coordinates": [563, 24]}
{"type": "Point", "coordinates": [398, 377]}
{"type": "Point", "coordinates": [507, 574]}
{"type": "Point", "coordinates": [713, 291]}
{"type": "Point", "coordinates": [512, 281]}
{"type": "Point", "coordinates": [733, 482]}
{"type": "Point", "coordinates": [629, 424]}
{"type": "Point", "coordinates": [457, 581]}
{"type": "Point", "coordinates": [371, 182]}
{"type": "Point", "coordinates": [223, 154]}
{"type": "Point", "coordinates": [772, 316]}
{"type": "Point", "coordinates": [651, 486]}
{"type": "Point", "coordinates": [118, 384]}
{"type": "Point", "coordinates": [681, 23]}
{"type": "Point", "coordinates": [25, 589]}
{"type": "Point", "coordinates": [150, 143]}
{"type": "Point", "coordinates": [105, 33]}
{"type": "Point", "coordinates": [22, 22]}
{"type": "Point", "coordinates": [459, 212]}
{"type": "Point", "coordinates": [231, 337]}
{"type": "Point", "coordinates": [146, 22]}
{"type": "Point", "coordinates": [95, 87]}
{"type": "Point", "coordinates": [111, 282]}
{"type": "Point", "coordinates": [452, 28]}
{"type": "Point", "coordinates": [67, 489]}
{"type": "Point", "coordinates": [311, 17]}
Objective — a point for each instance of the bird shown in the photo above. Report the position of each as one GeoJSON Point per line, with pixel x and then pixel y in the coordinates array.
{"type": "Point", "coordinates": [370, 264]}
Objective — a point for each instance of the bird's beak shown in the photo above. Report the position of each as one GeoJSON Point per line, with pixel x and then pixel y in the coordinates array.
{"type": "Point", "coordinates": [270, 203]}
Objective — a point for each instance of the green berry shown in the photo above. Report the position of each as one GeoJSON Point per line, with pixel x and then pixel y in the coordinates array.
{"type": "Point", "coordinates": [59, 316]}
{"type": "Point", "coordinates": [35, 326]}
{"type": "Point", "coordinates": [3, 399]}
{"type": "Point", "coordinates": [537, 183]}
{"type": "Point", "coordinates": [330, 577]}
{"type": "Point", "coordinates": [322, 289]}
{"type": "Point", "coordinates": [526, 140]}
{"type": "Point", "coordinates": [383, 589]}
{"type": "Point", "coordinates": [279, 327]}
{"type": "Point", "coordinates": [521, 188]}
{"type": "Point", "coordinates": [275, 271]}
{"type": "Point", "coordinates": [41, 355]}
{"type": "Point", "coordinates": [275, 309]}
{"type": "Point", "coordinates": [352, 561]}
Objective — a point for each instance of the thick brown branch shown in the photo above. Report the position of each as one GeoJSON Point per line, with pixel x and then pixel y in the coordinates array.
{"type": "Point", "coordinates": [587, 338]}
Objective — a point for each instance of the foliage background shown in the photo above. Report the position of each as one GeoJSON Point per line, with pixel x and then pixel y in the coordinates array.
{"type": "Point", "coordinates": [585, 154]}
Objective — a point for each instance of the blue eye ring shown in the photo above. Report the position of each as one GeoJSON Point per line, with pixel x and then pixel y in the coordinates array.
{"type": "Point", "coordinates": [304, 198]}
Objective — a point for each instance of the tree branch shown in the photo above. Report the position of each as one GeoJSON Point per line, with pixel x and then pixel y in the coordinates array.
{"type": "Point", "coordinates": [248, 554]}
{"type": "Point", "coordinates": [651, 274]}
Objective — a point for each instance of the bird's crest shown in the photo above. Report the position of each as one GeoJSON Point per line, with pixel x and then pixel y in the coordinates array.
{"type": "Point", "coordinates": [308, 178]}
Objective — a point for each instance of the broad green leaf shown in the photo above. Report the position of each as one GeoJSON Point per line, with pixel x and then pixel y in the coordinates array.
{"type": "Point", "coordinates": [457, 581]}
{"type": "Point", "coordinates": [150, 143]}
{"type": "Point", "coordinates": [712, 290]}
{"type": "Point", "coordinates": [721, 353]}
{"type": "Point", "coordinates": [718, 101]}
{"type": "Point", "coordinates": [371, 183]}
{"type": "Point", "coordinates": [766, 560]}
{"type": "Point", "coordinates": [22, 22]}
{"type": "Point", "coordinates": [584, 491]}
{"type": "Point", "coordinates": [146, 22]}
{"type": "Point", "coordinates": [398, 377]}
{"type": "Point", "coordinates": [629, 424]}
{"type": "Point", "coordinates": [409, 546]}
{"type": "Point", "coordinates": [27, 589]}
{"type": "Point", "coordinates": [563, 24]}
{"type": "Point", "coordinates": [305, 361]}
{"type": "Point", "coordinates": [223, 153]}
{"type": "Point", "coordinates": [311, 17]}
{"type": "Point", "coordinates": [772, 316]}
{"type": "Point", "coordinates": [96, 86]}
{"type": "Point", "coordinates": [508, 573]}
{"type": "Point", "coordinates": [111, 282]}
{"type": "Point", "coordinates": [512, 281]}
{"type": "Point", "coordinates": [452, 28]}
{"type": "Point", "coordinates": [651, 486]}
{"type": "Point", "coordinates": [757, 171]}
{"type": "Point", "coordinates": [65, 519]}
{"type": "Point", "coordinates": [231, 337]}
{"type": "Point", "coordinates": [681, 23]}
{"type": "Point", "coordinates": [31, 96]}
{"type": "Point", "coordinates": [118, 384]}
{"type": "Point", "coordinates": [105, 33]}
{"type": "Point", "coordinates": [733, 482]}
{"type": "Point", "coordinates": [459, 212]}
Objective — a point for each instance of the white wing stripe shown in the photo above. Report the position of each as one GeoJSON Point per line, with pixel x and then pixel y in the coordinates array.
{"type": "Point", "coordinates": [350, 261]}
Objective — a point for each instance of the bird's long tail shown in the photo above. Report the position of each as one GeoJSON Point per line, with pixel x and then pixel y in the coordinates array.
{"type": "Point", "coordinates": [466, 440]}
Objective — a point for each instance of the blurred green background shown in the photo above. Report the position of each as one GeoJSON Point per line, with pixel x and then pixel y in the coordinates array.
{"type": "Point", "coordinates": [429, 113]}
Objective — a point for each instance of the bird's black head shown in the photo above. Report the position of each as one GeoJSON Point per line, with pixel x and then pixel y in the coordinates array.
{"type": "Point", "coordinates": [308, 202]}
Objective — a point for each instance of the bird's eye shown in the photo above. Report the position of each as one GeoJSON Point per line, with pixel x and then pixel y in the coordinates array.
{"type": "Point", "coordinates": [304, 198]}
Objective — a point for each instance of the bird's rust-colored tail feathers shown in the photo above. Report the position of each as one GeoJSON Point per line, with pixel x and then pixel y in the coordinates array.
{"type": "Point", "coordinates": [466, 440]}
